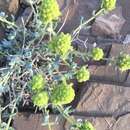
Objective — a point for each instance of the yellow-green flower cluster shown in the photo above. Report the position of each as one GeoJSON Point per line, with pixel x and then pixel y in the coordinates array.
{"type": "Point", "coordinates": [38, 82]}
{"type": "Point", "coordinates": [40, 99]}
{"type": "Point", "coordinates": [97, 54]}
{"type": "Point", "coordinates": [62, 94]}
{"type": "Point", "coordinates": [61, 45]}
{"type": "Point", "coordinates": [49, 11]}
{"type": "Point", "coordinates": [123, 62]}
{"type": "Point", "coordinates": [86, 126]}
{"type": "Point", "coordinates": [108, 4]}
{"type": "Point", "coordinates": [83, 74]}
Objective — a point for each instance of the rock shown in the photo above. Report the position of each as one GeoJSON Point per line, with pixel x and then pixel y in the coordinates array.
{"type": "Point", "coordinates": [77, 10]}
{"type": "Point", "coordinates": [122, 123]}
{"type": "Point", "coordinates": [104, 100]}
{"type": "Point", "coordinates": [99, 123]}
{"type": "Point", "coordinates": [117, 49]}
{"type": "Point", "coordinates": [107, 73]}
{"type": "Point", "coordinates": [126, 9]}
{"type": "Point", "coordinates": [128, 79]}
{"type": "Point", "coordinates": [109, 24]}
{"type": "Point", "coordinates": [9, 6]}
{"type": "Point", "coordinates": [26, 121]}
{"type": "Point", "coordinates": [127, 39]}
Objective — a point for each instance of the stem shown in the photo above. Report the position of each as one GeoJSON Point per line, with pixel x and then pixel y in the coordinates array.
{"type": "Point", "coordinates": [10, 118]}
{"type": "Point", "coordinates": [67, 117]}
{"type": "Point", "coordinates": [87, 22]}
{"type": "Point", "coordinates": [49, 126]}
{"type": "Point", "coordinates": [13, 109]}
{"type": "Point", "coordinates": [8, 22]}
{"type": "Point", "coordinates": [0, 114]}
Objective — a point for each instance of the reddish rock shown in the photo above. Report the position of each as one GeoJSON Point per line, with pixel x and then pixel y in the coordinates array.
{"type": "Point", "coordinates": [99, 123]}
{"type": "Point", "coordinates": [128, 80]}
{"type": "Point", "coordinates": [26, 121]}
{"type": "Point", "coordinates": [117, 49]}
{"type": "Point", "coordinates": [104, 99]}
{"type": "Point", "coordinates": [109, 24]}
{"type": "Point", "coordinates": [122, 123]}
{"type": "Point", "coordinates": [9, 6]}
{"type": "Point", "coordinates": [107, 73]}
{"type": "Point", "coordinates": [126, 9]}
{"type": "Point", "coordinates": [77, 9]}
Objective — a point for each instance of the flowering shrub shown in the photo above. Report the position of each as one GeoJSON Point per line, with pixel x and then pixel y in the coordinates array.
{"type": "Point", "coordinates": [35, 57]}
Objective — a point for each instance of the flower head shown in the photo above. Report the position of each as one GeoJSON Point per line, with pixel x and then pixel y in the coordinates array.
{"type": "Point", "coordinates": [40, 99]}
{"type": "Point", "coordinates": [49, 11]}
{"type": "Point", "coordinates": [86, 126]}
{"type": "Point", "coordinates": [97, 54]}
{"type": "Point", "coordinates": [83, 74]}
{"type": "Point", "coordinates": [123, 62]}
{"type": "Point", "coordinates": [62, 94]}
{"type": "Point", "coordinates": [37, 82]}
{"type": "Point", "coordinates": [108, 4]}
{"type": "Point", "coordinates": [61, 45]}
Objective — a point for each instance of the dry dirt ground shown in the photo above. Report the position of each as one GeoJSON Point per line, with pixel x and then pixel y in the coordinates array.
{"type": "Point", "coordinates": [105, 99]}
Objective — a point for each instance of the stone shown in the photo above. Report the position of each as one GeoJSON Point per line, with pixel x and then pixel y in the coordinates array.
{"type": "Point", "coordinates": [26, 121]}
{"type": "Point", "coordinates": [99, 123]}
{"type": "Point", "coordinates": [117, 49]}
{"type": "Point", "coordinates": [107, 73]}
{"type": "Point", "coordinates": [104, 100]}
{"type": "Point", "coordinates": [77, 10]}
{"type": "Point", "coordinates": [9, 6]}
{"type": "Point", "coordinates": [109, 24]}
{"type": "Point", "coordinates": [127, 39]}
{"type": "Point", "coordinates": [128, 79]}
{"type": "Point", "coordinates": [122, 123]}
{"type": "Point", "coordinates": [125, 9]}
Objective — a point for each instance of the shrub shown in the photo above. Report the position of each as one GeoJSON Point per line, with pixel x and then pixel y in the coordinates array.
{"type": "Point", "coordinates": [35, 57]}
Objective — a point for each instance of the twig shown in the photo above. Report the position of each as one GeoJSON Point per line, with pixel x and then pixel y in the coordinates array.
{"type": "Point", "coordinates": [8, 22]}
{"type": "Point", "coordinates": [13, 109]}
{"type": "Point", "coordinates": [87, 22]}
{"type": "Point", "coordinates": [63, 22]}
